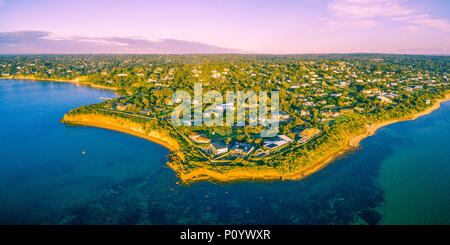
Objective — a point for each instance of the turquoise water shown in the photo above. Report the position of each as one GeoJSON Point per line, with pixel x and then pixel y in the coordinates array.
{"type": "Point", "coordinates": [400, 176]}
{"type": "Point", "coordinates": [416, 177]}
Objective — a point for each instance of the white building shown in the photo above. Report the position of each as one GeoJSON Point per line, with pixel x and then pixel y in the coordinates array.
{"type": "Point", "coordinates": [273, 144]}
{"type": "Point", "coordinates": [219, 148]}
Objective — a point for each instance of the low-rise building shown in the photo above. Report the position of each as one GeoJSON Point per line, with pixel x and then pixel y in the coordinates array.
{"type": "Point", "coordinates": [308, 134]}
{"type": "Point", "coordinates": [384, 99]}
{"type": "Point", "coordinates": [122, 107]}
{"type": "Point", "coordinates": [241, 149]}
{"type": "Point", "coordinates": [146, 112]}
{"type": "Point", "coordinates": [219, 148]}
{"type": "Point", "coordinates": [370, 91]}
{"type": "Point", "coordinates": [304, 113]}
{"type": "Point", "coordinates": [331, 114]}
{"type": "Point", "coordinates": [280, 141]}
{"type": "Point", "coordinates": [197, 138]}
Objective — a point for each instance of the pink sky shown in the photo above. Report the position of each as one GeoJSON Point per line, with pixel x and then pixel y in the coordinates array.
{"type": "Point", "coordinates": [308, 26]}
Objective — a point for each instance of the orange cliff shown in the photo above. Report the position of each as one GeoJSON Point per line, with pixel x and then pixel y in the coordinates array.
{"type": "Point", "coordinates": [123, 125]}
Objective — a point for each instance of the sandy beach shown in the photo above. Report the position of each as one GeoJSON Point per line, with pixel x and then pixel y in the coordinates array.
{"type": "Point", "coordinates": [152, 136]}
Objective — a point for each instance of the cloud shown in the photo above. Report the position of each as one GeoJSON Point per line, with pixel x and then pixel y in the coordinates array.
{"type": "Point", "coordinates": [425, 20]}
{"type": "Point", "coordinates": [341, 24]}
{"type": "Point", "coordinates": [372, 11]}
{"type": "Point", "coordinates": [368, 8]}
{"type": "Point", "coordinates": [17, 37]}
{"type": "Point", "coordinates": [39, 42]}
{"type": "Point", "coordinates": [412, 28]}
{"type": "Point", "coordinates": [424, 51]}
{"type": "Point", "coordinates": [2, 3]}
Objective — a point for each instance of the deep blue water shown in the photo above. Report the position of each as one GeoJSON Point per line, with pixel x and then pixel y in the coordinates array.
{"type": "Point", "coordinates": [400, 176]}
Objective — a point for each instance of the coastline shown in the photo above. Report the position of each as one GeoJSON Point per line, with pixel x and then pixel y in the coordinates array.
{"type": "Point", "coordinates": [355, 140]}
{"type": "Point", "coordinates": [153, 139]}
{"type": "Point", "coordinates": [244, 173]}
{"type": "Point", "coordinates": [76, 81]}
{"type": "Point", "coordinates": [124, 126]}
{"type": "Point", "coordinates": [236, 175]}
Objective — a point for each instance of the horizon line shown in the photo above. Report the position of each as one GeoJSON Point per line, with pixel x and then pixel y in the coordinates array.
{"type": "Point", "coordinates": [243, 54]}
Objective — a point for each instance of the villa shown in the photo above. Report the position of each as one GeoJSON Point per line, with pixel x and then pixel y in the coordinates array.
{"type": "Point", "coordinates": [308, 134]}
{"type": "Point", "coordinates": [198, 138]}
{"type": "Point", "coordinates": [241, 149]}
{"type": "Point", "coordinates": [274, 144]}
{"type": "Point", "coordinates": [122, 107]}
{"type": "Point", "coordinates": [330, 114]}
{"type": "Point", "coordinates": [219, 148]}
{"type": "Point", "coordinates": [370, 91]}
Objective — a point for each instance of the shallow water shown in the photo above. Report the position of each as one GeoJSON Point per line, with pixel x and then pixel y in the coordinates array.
{"type": "Point", "coordinates": [399, 176]}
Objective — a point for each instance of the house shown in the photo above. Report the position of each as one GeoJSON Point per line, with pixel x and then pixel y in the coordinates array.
{"type": "Point", "coordinates": [343, 84]}
{"type": "Point", "coordinates": [280, 141]}
{"type": "Point", "coordinates": [241, 149]}
{"type": "Point", "coordinates": [330, 114]}
{"type": "Point", "coordinates": [198, 138]}
{"type": "Point", "coordinates": [122, 107]}
{"type": "Point", "coordinates": [304, 113]}
{"type": "Point", "coordinates": [358, 108]}
{"type": "Point", "coordinates": [219, 148]}
{"type": "Point", "coordinates": [308, 134]}
{"type": "Point", "coordinates": [391, 95]}
{"type": "Point", "coordinates": [145, 112]}
{"type": "Point", "coordinates": [225, 106]}
{"type": "Point", "coordinates": [346, 110]}
{"type": "Point", "coordinates": [215, 74]}
{"type": "Point", "coordinates": [384, 99]}
{"type": "Point", "coordinates": [370, 91]}
{"type": "Point", "coordinates": [266, 121]}
{"type": "Point", "coordinates": [282, 116]}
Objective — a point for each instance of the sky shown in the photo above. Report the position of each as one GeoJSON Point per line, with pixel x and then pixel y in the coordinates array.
{"type": "Point", "coordinates": [225, 26]}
